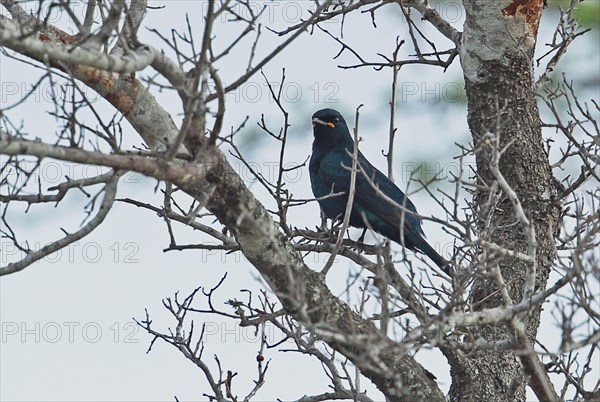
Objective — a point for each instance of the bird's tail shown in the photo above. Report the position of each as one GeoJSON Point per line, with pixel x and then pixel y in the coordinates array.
{"type": "Point", "coordinates": [435, 257]}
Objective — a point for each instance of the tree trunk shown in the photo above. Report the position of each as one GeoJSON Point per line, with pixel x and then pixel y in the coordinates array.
{"type": "Point", "coordinates": [497, 58]}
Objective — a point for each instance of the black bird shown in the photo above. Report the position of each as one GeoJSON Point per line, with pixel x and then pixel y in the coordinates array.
{"type": "Point", "coordinates": [330, 172]}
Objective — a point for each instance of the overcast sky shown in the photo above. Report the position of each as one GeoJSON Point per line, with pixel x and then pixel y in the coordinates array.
{"type": "Point", "coordinates": [67, 327]}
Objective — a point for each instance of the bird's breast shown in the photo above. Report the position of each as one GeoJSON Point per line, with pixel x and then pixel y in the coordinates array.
{"type": "Point", "coordinates": [332, 206]}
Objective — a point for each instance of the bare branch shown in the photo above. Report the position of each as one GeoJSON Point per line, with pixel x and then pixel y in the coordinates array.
{"type": "Point", "coordinates": [110, 190]}
{"type": "Point", "coordinates": [433, 17]}
{"type": "Point", "coordinates": [176, 170]}
{"type": "Point", "coordinates": [12, 38]}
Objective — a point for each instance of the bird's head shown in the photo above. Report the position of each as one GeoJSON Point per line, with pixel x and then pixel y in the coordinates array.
{"type": "Point", "coordinates": [330, 129]}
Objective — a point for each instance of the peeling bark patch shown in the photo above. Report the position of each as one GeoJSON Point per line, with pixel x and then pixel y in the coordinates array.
{"type": "Point", "coordinates": [123, 103]}
{"type": "Point", "coordinates": [121, 100]}
{"type": "Point", "coordinates": [56, 36]}
{"type": "Point", "coordinates": [531, 10]}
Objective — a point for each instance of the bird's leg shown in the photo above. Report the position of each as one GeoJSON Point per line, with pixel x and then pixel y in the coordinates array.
{"type": "Point", "coordinates": [361, 239]}
{"type": "Point", "coordinates": [323, 227]}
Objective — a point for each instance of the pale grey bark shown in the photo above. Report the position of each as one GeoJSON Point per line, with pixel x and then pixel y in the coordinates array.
{"type": "Point", "coordinates": [496, 55]}
{"type": "Point", "coordinates": [149, 165]}
{"type": "Point", "coordinates": [14, 39]}
{"type": "Point", "coordinates": [502, 313]}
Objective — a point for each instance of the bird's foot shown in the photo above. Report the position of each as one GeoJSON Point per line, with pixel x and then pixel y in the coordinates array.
{"type": "Point", "coordinates": [325, 233]}
{"type": "Point", "coordinates": [335, 230]}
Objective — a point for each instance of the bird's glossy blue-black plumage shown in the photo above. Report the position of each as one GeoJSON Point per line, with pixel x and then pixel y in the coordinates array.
{"type": "Point", "coordinates": [378, 203]}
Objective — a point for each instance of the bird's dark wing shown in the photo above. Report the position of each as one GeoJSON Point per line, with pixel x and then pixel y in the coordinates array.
{"type": "Point", "coordinates": [335, 169]}
{"type": "Point", "coordinates": [370, 204]}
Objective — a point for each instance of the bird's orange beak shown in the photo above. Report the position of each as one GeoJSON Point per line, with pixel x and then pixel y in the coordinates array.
{"type": "Point", "coordinates": [323, 123]}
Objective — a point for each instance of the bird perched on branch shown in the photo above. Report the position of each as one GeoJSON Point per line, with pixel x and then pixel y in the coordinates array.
{"type": "Point", "coordinates": [378, 203]}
